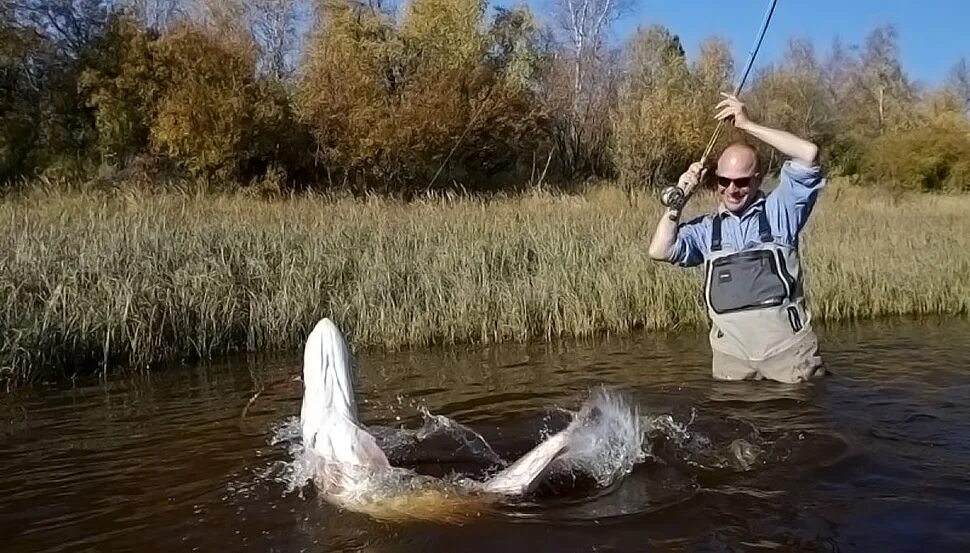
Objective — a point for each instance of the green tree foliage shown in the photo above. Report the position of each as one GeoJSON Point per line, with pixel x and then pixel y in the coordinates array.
{"type": "Point", "coordinates": [43, 49]}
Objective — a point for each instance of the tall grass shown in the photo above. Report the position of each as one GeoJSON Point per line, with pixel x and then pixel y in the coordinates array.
{"type": "Point", "coordinates": [92, 282]}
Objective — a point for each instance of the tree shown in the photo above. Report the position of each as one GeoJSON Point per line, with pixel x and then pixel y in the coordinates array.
{"type": "Point", "coordinates": [793, 95]}
{"type": "Point", "coordinates": [877, 96]}
{"type": "Point", "coordinates": [958, 82]}
{"type": "Point", "coordinates": [585, 82]}
{"type": "Point", "coordinates": [19, 96]}
{"type": "Point", "coordinates": [712, 74]}
{"type": "Point", "coordinates": [214, 116]}
{"type": "Point", "coordinates": [350, 83]}
{"type": "Point", "coordinates": [120, 84]}
{"type": "Point", "coordinates": [274, 29]}
{"type": "Point", "coordinates": [655, 124]}
{"type": "Point", "coordinates": [156, 15]}
{"type": "Point", "coordinates": [441, 97]}
{"type": "Point", "coordinates": [70, 24]}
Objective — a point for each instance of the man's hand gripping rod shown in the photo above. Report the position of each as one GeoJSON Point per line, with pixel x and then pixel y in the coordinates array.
{"type": "Point", "coordinates": [675, 197]}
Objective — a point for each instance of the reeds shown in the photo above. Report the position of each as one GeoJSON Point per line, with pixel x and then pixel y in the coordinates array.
{"type": "Point", "coordinates": [92, 282]}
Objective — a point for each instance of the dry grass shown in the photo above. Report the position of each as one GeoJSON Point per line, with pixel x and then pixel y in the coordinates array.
{"type": "Point", "coordinates": [91, 282]}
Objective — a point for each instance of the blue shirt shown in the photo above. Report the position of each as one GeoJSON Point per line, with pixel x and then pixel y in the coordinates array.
{"type": "Point", "coordinates": [787, 206]}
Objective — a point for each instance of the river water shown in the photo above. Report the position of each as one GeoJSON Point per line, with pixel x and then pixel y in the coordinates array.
{"type": "Point", "coordinates": [874, 457]}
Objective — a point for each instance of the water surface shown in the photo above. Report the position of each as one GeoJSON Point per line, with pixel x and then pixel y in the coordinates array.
{"type": "Point", "coordinates": [875, 457]}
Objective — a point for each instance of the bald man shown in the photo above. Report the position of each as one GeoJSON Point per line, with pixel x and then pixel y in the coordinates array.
{"type": "Point", "coordinates": [761, 327]}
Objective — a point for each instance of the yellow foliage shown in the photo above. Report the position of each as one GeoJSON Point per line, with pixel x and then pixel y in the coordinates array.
{"type": "Point", "coordinates": [935, 156]}
{"type": "Point", "coordinates": [205, 117]}
{"type": "Point", "coordinates": [397, 105]}
{"type": "Point", "coordinates": [664, 116]}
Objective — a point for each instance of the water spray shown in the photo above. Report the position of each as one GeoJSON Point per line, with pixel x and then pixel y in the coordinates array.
{"type": "Point", "coordinates": [675, 196]}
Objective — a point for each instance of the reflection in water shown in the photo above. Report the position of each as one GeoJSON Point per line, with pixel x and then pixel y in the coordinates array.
{"type": "Point", "coordinates": [874, 457]}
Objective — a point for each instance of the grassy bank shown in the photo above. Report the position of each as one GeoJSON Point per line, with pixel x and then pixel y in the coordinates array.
{"type": "Point", "coordinates": [88, 280]}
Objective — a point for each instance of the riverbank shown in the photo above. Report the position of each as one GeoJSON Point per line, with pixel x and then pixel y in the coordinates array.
{"type": "Point", "coordinates": [91, 282]}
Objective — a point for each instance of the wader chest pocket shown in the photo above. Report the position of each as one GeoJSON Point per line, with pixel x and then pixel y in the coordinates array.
{"type": "Point", "coordinates": [746, 280]}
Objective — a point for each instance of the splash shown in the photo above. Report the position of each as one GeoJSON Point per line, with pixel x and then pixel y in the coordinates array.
{"type": "Point", "coordinates": [709, 444]}
{"type": "Point", "coordinates": [609, 438]}
{"type": "Point", "coordinates": [605, 443]}
{"type": "Point", "coordinates": [606, 439]}
{"type": "Point", "coordinates": [296, 473]}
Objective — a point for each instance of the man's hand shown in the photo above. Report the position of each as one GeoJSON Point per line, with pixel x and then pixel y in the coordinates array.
{"type": "Point", "coordinates": [690, 178]}
{"type": "Point", "coordinates": [675, 197]}
{"type": "Point", "coordinates": [799, 149]}
{"type": "Point", "coordinates": [732, 109]}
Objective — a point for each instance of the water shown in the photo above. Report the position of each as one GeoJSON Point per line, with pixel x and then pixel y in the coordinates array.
{"type": "Point", "coordinates": [875, 457]}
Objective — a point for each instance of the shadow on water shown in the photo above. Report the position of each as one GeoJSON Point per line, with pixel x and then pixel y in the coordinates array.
{"type": "Point", "coordinates": [875, 457]}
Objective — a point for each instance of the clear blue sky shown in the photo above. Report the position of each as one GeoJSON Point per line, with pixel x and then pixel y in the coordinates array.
{"type": "Point", "coordinates": [933, 34]}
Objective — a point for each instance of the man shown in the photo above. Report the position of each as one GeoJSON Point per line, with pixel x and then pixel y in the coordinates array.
{"type": "Point", "coordinates": [761, 328]}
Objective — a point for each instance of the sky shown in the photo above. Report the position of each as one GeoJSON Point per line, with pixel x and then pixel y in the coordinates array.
{"type": "Point", "coordinates": [933, 34]}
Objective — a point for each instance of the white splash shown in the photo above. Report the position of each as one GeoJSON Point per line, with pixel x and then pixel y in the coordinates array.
{"type": "Point", "coordinates": [606, 440]}
{"type": "Point", "coordinates": [605, 443]}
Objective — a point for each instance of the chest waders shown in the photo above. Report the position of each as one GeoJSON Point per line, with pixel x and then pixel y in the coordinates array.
{"type": "Point", "coordinates": [755, 298]}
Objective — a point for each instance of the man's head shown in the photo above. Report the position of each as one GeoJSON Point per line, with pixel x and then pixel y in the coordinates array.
{"type": "Point", "coordinates": [738, 176]}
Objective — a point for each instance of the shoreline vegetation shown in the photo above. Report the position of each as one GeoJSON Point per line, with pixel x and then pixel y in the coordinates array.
{"type": "Point", "coordinates": [92, 281]}
{"type": "Point", "coordinates": [183, 179]}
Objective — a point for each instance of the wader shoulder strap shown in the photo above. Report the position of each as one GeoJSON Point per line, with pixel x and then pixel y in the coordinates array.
{"type": "Point", "coordinates": [764, 229]}
{"type": "Point", "coordinates": [716, 233]}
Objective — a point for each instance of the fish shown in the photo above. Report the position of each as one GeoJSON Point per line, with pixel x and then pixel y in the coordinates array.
{"type": "Point", "coordinates": [352, 472]}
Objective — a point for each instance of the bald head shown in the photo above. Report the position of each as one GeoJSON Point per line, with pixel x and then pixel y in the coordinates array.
{"type": "Point", "coordinates": [738, 160]}
{"type": "Point", "coordinates": [737, 177]}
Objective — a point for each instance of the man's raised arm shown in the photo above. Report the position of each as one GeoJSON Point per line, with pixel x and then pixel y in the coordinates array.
{"type": "Point", "coordinates": [799, 149]}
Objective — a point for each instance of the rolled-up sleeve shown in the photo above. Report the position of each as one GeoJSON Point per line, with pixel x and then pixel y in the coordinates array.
{"type": "Point", "coordinates": [692, 239]}
{"type": "Point", "coordinates": [790, 205]}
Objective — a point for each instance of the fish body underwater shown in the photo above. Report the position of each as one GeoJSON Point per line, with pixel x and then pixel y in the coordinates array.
{"type": "Point", "coordinates": [351, 471]}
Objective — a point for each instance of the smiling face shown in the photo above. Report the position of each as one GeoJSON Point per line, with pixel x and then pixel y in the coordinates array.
{"type": "Point", "coordinates": [738, 177]}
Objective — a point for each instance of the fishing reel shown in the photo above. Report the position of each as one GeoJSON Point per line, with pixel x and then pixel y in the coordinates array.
{"type": "Point", "coordinates": [673, 197]}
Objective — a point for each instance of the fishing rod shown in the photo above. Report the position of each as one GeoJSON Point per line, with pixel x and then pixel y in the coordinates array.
{"type": "Point", "coordinates": [675, 196]}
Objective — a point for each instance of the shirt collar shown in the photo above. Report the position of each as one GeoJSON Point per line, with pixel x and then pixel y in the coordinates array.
{"type": "Point", "coordinates": [753, 207]}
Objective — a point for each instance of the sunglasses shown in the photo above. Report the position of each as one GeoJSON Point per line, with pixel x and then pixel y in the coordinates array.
{"type": "Point", "coordinates": [742, 182]}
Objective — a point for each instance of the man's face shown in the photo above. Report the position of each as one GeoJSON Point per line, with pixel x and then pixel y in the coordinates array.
{"type": "Point", "coordinates": [738, 180]}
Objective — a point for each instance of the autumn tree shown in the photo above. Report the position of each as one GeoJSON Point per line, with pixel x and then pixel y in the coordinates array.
{"type": "Point", "coordinates": [439, 97]}
{"type": "Point", "coordinates": [874, 93]}
{"type": "Point", "coordinates": [19, 96]}
{"type": "Point", "coordinates": [120, 83]}
{"type": "Point", "coordinates": [654, 109]}
{"type": "Point", "coordinates": [156, 15]}
{"type": "Point", "coordinates": [214, 116]}
{"type": "Point", "coordinates": [792, 95]}
{"type": "Point", "coordinates": [274, 29]}
{"type": "Point", "coordinates": [958, 82]}
{"type": "Point", "coordinates": [664, 116]}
